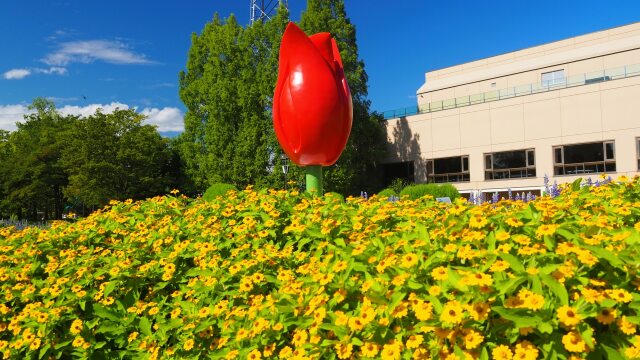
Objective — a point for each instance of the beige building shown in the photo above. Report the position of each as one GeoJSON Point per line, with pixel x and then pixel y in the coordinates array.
{"type": "Point", "coordinates": [566, 109]}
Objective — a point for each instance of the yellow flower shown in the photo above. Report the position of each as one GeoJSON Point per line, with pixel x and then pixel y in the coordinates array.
{"type": "Point", "coordinates": [414, 341]}
{"type": "Point", "coordinates": [434, 290]}
{"type": "Point", "coordinates": [499, 266]}
{"type": "Point", "coordinates": [513, 222]}
{"type": "Point", "coordinates": [502, 352]}
{"type": "Point", "coordinates": [76, 327]}
{"type": "Point", "coordinates": [626, 326]}
{"type": "Point", "coordinates": [188, 345]}
{"type": "Point", "coordinates": [35, 344]}
{"type": "Point", "coordinates": [606, 316]}
{"type": "Point", "coordinates": [477, 221]}
{"type": "Point", "coordinates": [620, 295]}
{"type": "Point", "coordinates": [440, 273]}
{"type": "Point", "coordinates": [546, 229]}
{"type": "Point", "coordinates": [568, 316]}
{"type": "Point", "coordinates": [285, 352]}
{"type": "Point", "coordinates": [300, 337]}
{"type": "Point", "coordinates": [254, 355]}
{"type": "Point", "coordinates": [391, 351]}
{"type": "Point", "coordinates": [472, 339]}
{"type": "Point", "coordinates": [526, 351]}
{"type": "Point", "coordinates": [356, 324]}
{"type": "Point", "coordinates": [573, 342]}
{"type": "Point", "coordinates": [369, 350]}
{"type": "Point", "coordinates": [78, 342]}
{"type": "Point", "coordinates": [533, 301]}
{"type": "Point", "coordinates": [409, 260]}
{"type": "Point", "coordinates": [423, 310]}
{"type": "Point", "coordinates": [133, 336]}
{"type": "Point", "coordinates": [452, 312]}
{"type": "Point", "coordinates": [343, 350]}
{"type": "Point", "coordinates": [478, 311]}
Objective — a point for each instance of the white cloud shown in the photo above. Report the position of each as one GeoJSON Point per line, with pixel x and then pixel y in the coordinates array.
{"type": "Point", "coordinates": [91, 109]}
{"type": "Point", "coordinates": [16, 74]}
{"type": "Point", "coordinates": [166, 119]}
{"type": "Point", "coordinates": [10, 114]}
{"type": "Point", "coordinates": [52, 70]}
{"type": "Point", "coordinates": [114, 52]}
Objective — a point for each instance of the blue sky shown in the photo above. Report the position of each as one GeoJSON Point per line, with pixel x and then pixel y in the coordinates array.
{"type": "Point", "coordinates": [89, 54]}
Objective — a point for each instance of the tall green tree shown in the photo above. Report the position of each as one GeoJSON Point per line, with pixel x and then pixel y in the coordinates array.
{"type": "Point", "coordinates": [356, 169]}
{"type": "Point", "coordinates": [115, 157]}
{"type": "Point", "coordinates": [227, 88]}
{"type": "Point", "coordinates": [34, 177]}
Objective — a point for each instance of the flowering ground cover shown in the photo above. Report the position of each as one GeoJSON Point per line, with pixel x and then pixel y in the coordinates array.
{"type": "Point", "coordinates": [261, 274]}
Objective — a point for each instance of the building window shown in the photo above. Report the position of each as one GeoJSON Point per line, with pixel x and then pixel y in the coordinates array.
{"type": "Point", "coordinates": [399, 170]}
{"type": "Point", "coordinates": [510, 164]}
{"type": "Point", "coordinates": [553, 78]}
{"type": "Point", "coordinates": [596, 157]}
{"type": "Point", "coordinates": [449, 169]}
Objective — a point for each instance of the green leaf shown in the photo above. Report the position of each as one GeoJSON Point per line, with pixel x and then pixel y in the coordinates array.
{"type": "Point", "coordinates": [509, 286]}
{"type": "Point", "coordinates": [612, 354]}
{"type": "Point", "coordinates": [145, 326]}
{"type": "Point", "coordinates": [109, 288]}
{"type": "Point", "coordinates": [556, 288]}
{"type": "Point", "coordinates": [607, 255]}
{"type": "Point", "coordinates": [545, 328]}
{"type": "Point", "coordinates": [518, 316]}
{"type": "Point", "coordinates": [356, 341]}
{"type": "Point", "coordinates": [105, 313]}
{"type": "Point", "coordinates": [414, 285]}
{"type": "Point", "coordinates": [43, 350]}
{"type": "Point", "coordinates": [575, 185]}
{"type": "Point", "coordinates": [513, 261]}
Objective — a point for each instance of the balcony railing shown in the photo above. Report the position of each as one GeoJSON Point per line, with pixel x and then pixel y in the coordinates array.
{"type": "Point", "coordinates": [521, 90]}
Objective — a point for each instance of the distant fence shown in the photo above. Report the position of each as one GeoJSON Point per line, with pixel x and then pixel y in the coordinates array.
{"type": "Point", "coordinates": [21, 224]}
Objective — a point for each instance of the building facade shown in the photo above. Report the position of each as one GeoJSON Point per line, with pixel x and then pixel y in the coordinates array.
{"type": "Point", "coordinates": [565, 110]}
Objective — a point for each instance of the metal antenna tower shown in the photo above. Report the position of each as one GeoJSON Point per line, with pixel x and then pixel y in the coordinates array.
{"type": "Point", "coordinates": [262, 10]}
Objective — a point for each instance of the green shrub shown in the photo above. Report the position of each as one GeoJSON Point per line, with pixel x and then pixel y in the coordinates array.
{"type": "Point", "coordinates": [398, 184]}
{"type": "Point", "coordinates": [388, 192]}
{"type": "Point", "coordinates": [419, 190]}
{"type": "Point", "coordinates": [218, 189]}
{"type": "Point", "coordinates": [448, 190]}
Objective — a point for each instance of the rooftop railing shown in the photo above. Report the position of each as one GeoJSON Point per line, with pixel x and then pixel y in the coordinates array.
{"type": "Point", "coordinates": [521, 90]}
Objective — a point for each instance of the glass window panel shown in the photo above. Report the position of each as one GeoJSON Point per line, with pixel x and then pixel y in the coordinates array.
{"type": "Point", "coordinates": [509, 159]}
{"type": "Point", "coordinates": [558, 155]}
{"type": "Point", "coordinates": [609, 151]}
{"type": "Point", "coordinates": [531, 158]}
{"type": "Point", "coordinates": [465, 163]}
{"type": "Point", "coordinates": [582, 153]}
{"type": "Point", "coordinates": [447, 165]}
{"type": "Point", "coordinates": [487, 162]}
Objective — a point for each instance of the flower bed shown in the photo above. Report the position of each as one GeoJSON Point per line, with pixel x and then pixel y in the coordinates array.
{"type": "Point", "coordinates": [279, 274]}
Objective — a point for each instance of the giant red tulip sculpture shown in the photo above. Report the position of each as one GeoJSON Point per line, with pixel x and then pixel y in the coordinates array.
{"type": "Point", "coordinates": [312, 109]}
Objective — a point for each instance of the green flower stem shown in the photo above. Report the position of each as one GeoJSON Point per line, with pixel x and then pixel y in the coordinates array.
{"type": "Point", "coordinates": [314, 179]}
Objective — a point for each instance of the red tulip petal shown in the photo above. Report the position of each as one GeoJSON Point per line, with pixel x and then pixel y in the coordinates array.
{"type": "Point", "coordinates": [323, 43]}
{"type": "Point", "coordinates": [336, 52]}
{"type": "Point", "coordinates": [286, 124]}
